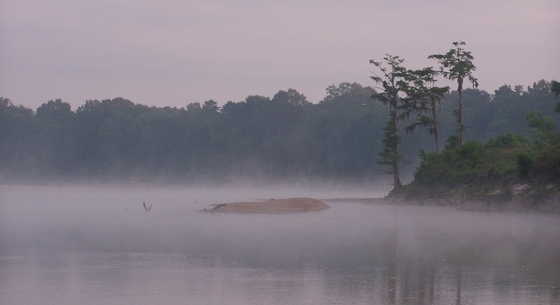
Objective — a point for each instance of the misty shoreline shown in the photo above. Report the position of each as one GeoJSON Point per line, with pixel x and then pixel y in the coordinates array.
{"type": "Point", "coordinates": [517, 204]}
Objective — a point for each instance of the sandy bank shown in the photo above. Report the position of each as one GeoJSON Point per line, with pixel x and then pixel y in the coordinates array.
{"type": "Point", "coordinates": [271, 206]}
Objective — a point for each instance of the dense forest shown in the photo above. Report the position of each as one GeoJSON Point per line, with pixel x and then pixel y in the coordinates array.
{"type": "Point", "coordinates": [261, 138]}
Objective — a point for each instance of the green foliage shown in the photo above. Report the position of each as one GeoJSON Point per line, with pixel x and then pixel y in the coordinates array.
{"type": "Point", "coordinates": [525, 164]}
{"type": "Point", "coordinates": [285, 136]}
{"type": "Point", "coordinates": [432, 168]}
{"type": "Point", "coordinates": [57, 137]}
{"type": "Point", "coordinates": [472, 163]}
{"type": "Point", "coordinates": [392, 79]}
{"type": "Point", "coordinates": [507, 141]}
{"type": "Point", "coordinates": [511, 106]}
{"type": "Point", "coordinates": [488, 171]}
{"type": "Point", "coordinates": [541, 128]}
{"type": "Point", "coordinates": [18, 134]}
{"type": "Point", "coordinates": [390, 154]}
{"type": "Point", "coordinates": [291, 97]}
{"type": "Point", "coordinates": [457, 64]}
{"type": "Point", "coordinates": [555, 89]}
{"type": "Point", "coordinates": [452, 142]}
{"type": "Point", "coordinates": [537, 122]}
{"type": "Point", "coordinates": [341, 137]}
{"type": "Point", "coordinates": [465, 162]}
{"type": "Point", "coordinates": [547, 164]}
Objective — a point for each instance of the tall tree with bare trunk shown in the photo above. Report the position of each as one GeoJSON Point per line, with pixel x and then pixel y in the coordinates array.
{"type": "Point", "coordinates": [457, 65]}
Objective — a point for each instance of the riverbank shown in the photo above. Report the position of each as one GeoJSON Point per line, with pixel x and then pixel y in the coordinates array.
{"type": "Point", "coordinates": [517, 203]}
{"type": "Point", "coordinates": [521, 199]}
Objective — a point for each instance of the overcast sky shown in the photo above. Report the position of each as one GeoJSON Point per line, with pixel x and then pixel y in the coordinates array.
{"type": "Point", "coordinates": [175, 52]}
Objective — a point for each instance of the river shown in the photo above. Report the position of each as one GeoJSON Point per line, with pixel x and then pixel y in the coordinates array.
{"type": "Point", "coordinates": [94, 245]}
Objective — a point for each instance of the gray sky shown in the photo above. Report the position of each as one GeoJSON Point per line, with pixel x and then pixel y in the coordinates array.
{"type": "Point", "coordinates": [172, 53]}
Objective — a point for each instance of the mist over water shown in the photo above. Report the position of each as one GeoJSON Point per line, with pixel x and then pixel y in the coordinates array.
{"type": "Point", "coordinates": [89, 245]}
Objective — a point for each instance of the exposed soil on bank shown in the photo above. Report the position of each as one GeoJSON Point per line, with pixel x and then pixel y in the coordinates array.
{"type": "Point", "coordinates": [517, 203]}
{"type": "Point", "coordinates": [514, 204]}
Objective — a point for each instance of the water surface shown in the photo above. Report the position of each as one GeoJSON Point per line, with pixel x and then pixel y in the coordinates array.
{"type": "Point", "coordinates": [99, 246]}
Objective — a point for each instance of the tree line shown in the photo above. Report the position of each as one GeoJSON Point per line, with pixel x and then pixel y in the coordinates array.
{"type": "Point", "coordinates": [259, 138]}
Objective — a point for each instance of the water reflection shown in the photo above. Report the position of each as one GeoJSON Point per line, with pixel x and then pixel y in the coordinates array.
{"type": "Point", "coordinates": [91, 278]}
{"type": "Point", "coordinates": [70, 251]}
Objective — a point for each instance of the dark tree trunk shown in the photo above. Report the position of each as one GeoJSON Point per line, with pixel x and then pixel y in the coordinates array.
{"type": "Point", "coordinates": [396, 177]}
{"type": "Point", "coordinates": [461, 122]}
{"type": "Point", "coordinates": [436, 128]}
